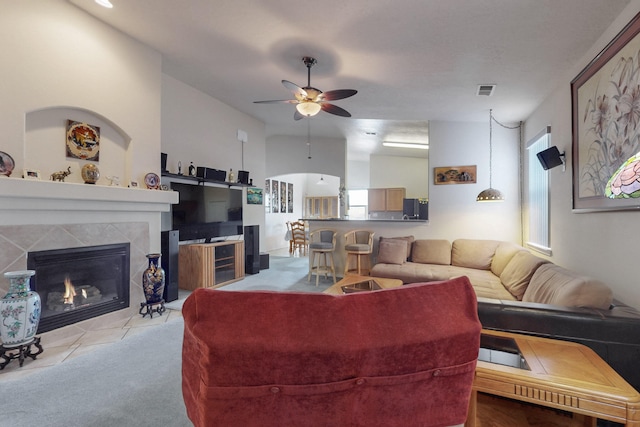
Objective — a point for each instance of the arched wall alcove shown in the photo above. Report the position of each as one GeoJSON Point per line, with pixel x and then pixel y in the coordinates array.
{"type": "Point", "coordinates": [45, 144]}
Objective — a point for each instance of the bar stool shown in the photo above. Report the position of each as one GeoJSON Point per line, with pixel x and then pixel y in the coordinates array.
{"type": "Point", "coordinates": [322, 243]}
{"type": "Point", "coordinates": [359, 244]}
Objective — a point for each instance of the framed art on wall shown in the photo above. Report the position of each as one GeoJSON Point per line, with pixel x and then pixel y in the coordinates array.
{"type": "Point", "coordinates": [275, 200]}
{"type": "Point", "coordinates": [455, 175]}
{"type": "Point", "coordinates": [254, 196]}
{"type": "Point", "coordinates": [290, 198]}
{"type": "Point", "coordinates": [267, 196]}
{"type": "Point", "coordinates": [283, 197]}
{"type": "Point", "coordinates": [606, 127]}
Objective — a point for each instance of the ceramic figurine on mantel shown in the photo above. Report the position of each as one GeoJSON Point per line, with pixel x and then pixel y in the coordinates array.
{"type": "Point", "coordinates": [232, 177]}
{"type": "Point", "coordinates": [192, 170]}
{"type": "Point", "coordinates": [90, 173]}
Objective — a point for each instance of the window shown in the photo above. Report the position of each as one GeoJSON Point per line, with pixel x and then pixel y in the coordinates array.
{"type": "Point", "coordinates": [538, 194]}
{"type": "Point", "coordinates": [358, 202]}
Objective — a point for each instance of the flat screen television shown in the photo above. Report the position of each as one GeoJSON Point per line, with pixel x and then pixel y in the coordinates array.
{"type": "Point", "coordinates": [206, 212]}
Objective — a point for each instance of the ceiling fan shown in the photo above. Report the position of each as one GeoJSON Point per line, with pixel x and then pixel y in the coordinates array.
{"type": "Point", "coordinates": [309, 100]}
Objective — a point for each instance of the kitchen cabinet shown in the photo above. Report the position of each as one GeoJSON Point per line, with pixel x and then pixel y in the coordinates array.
{"type": "Point", "coordinates": [321, 207]}
{"type": "Point", "coordinates": [386, 199]}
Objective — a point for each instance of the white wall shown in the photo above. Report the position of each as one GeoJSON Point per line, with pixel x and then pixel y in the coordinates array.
{"type": "Point", "coordinates": [275, 223]}
{"type": "Point", "coordinates": [601, 245]}
{"type": "Point", "coordinates": [200, 129]}
{"type": "Point", "coordinates": [453, 210]}
{"type": "Point", "coordinates": [58, 60]}
{"type": "Point", "coordinates": [410, 173]}
{"type": "Point", "coordinates": [58, 56]}
{"type": "Point", "coordinates": [289, 154]}
{"type": "Point", "coordinates": [357, 175]}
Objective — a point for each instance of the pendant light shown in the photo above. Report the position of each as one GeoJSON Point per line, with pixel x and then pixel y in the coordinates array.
{"type": "Point", "coordinates": [490, 194]}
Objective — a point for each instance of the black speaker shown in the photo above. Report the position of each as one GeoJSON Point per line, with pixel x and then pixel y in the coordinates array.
{"type": "Point", "coordinates": [163, 162]}
{"type": "Point", "coordinates": [169, 261]}
{"type": "Point", "coordinates": [550, 158]}
{"type": "Point", "coordinates": [243, 177]}
{"type": "Point", "coordinates": [423, 211]}
{"type": "Point", "coordinates": [252, 249]}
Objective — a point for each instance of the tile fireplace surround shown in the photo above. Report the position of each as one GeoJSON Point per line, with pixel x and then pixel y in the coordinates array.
{"type": "Point", "coordinates": [44, 215]}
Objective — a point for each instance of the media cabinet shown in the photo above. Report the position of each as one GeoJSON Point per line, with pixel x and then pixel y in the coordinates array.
{"type": "Point", "coordinates": [210, 265]}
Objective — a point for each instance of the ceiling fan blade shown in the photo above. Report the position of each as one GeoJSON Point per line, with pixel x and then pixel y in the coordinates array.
{"type": "Point", "coordinates": [334, 95]}
{"type": "Point", "coordinates": [297, 90]}
{"type": "Point", "coordinates": [282, 101]}
{"type": "Point", "coordinates": [334, 109]}
{"type": "Point", "coordinates": [297, 116]}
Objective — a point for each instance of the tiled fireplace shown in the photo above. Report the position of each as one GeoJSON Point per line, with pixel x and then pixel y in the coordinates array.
{"type": "Point", "coordinates": [47, 216]}
{"type": "Point", "coordinates": [80, 283]}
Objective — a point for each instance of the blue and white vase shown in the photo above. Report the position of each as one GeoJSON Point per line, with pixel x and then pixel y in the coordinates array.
{"type": "Point", "coordinates": [19, 310]}
{"type": "Point", "coordinates": [153, 280]}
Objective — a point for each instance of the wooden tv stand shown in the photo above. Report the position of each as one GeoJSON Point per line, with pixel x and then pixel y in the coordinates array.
{"type": "Point", "coordinates": [210, 265]}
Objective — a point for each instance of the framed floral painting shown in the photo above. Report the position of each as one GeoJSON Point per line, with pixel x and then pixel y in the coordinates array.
{"type": "Point", "coordinates": [605, 100]}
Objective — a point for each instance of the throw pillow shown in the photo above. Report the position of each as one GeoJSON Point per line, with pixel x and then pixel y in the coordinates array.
{"type": "Point", "coordinates": [408, 239]}
{"type": "Point", "coordinates": [431, 251]}
{"type": "Point", "coordinates": [555, 285]}
{"type": "Point", "coordinates": [473, 253]}
{"type": "Point", "coordinates": [392, 251]}
{"type": "Point", "coordinates": [517, 274]}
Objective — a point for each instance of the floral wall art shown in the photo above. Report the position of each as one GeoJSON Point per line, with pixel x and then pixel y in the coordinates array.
{"type": "Point", "coordinates": [606, 126]}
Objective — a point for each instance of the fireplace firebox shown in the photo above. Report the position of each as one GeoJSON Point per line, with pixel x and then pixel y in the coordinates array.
{"type": "Point", "coordinates": [79, 283]}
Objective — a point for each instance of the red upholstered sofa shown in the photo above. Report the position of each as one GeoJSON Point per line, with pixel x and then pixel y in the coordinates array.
{"type": "Point", "coordinates": [397, 357]}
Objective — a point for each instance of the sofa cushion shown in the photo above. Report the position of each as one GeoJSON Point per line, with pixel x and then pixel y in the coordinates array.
{"type": "Point", "coordinates": [408, 239]}
{"type": "Point", "coordinates": [551, 284]}
{"type": "Point", "coordinates": [392, 251]}
{"type": "Point", "coordinates": [504, 252]}
{"type": "Point", "coordinates": [413, 272]}
{"type": "Point", "coordinates": [431, 251]}
{"type": "Point", "coordinates": [516, 275]}
{"type": "Point", "coordinates": [375, 369]}
{"type": "Point", "coordinates": [484, 282]}
{"type": "Point", "coordinates": [473, 253]}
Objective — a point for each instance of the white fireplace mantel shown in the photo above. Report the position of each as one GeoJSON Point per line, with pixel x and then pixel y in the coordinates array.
{"type": "Point", "coordinates": [17, 194]}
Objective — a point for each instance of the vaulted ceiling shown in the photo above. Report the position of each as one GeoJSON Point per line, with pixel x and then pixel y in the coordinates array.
{"type": "Point", "coordinates": [411, 61]}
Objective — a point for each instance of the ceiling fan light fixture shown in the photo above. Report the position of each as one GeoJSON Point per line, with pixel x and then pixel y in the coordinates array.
{"type": "Point", "coordinates": [308, 108]}
{"type": "Point", "coordinates": [406, 145]}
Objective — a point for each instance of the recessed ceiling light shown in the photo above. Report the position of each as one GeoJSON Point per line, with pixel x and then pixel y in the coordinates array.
{"type": "Point", "coordinates": [105, 3]}
{"type": "Point", "coordinates": [406, 145]}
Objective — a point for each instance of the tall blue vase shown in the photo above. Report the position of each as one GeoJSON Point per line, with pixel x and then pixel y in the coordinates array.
{"type": "Point", "coordinates": [153, 280]}
{"type": "Point", "coordinates": [19, 310]}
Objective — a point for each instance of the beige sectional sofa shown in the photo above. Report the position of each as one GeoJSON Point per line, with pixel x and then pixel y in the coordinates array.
{"type": "Point", "coordinates": [497, 270]}
{"type": "Point", "coordinates": [522, 293]}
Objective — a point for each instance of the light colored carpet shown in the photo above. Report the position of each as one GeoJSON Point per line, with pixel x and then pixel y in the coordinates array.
{"type": "Point", "coordinates": [285, 274]}
{"type": "Point", "coordinates": [133, 382]}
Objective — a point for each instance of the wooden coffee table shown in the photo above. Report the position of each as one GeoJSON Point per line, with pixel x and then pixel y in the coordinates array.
{"type": "Point", "coordinates": [353, 279]}
{"type": "Point", "coordinates": [562, 375]}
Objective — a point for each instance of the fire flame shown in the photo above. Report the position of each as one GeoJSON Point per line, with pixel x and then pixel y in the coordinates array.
{"type": "Point", "coordinates": [69, 291]}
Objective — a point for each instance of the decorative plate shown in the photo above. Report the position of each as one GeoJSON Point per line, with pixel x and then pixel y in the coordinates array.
{"type": "Point", "coordinates": [83, 141]}
{"type": "Point", "coordinates": [6, 164]}
{"type": "Point", "coordinates": [152, 181]}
